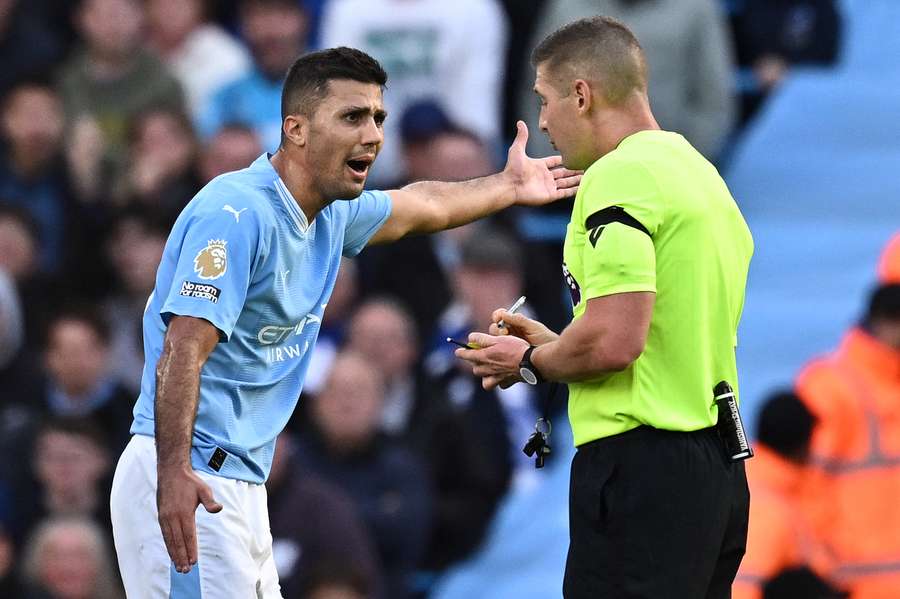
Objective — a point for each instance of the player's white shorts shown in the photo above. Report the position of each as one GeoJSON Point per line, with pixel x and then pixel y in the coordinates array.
{"type": "Point", "coordinates": [234, 546]}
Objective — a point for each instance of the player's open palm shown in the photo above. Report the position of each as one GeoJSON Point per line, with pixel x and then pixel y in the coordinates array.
{"type": "Point", "coordinates": [538, 181]}
{"type": "Point", "coordinates": [178, 493]}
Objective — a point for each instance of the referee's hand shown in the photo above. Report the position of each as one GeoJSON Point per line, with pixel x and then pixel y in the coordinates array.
{"type": "Point", "coordinates": [178, 493]}
{"type": "Point", "coordinates": [519, 325]}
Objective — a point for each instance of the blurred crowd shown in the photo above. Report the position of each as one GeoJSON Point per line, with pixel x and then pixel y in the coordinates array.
{"type": "Point", "coordinates": [824, 515]}
{"type": "Point", "coordinates": [114, 113]}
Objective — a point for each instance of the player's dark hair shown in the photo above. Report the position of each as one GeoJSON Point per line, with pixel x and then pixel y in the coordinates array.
{"type": "Point", "coordinates": [785, 425]}
{"type": "Point", "coordinates": [600, 49]}
{"type": "Point", "coordinates": [307, 80]}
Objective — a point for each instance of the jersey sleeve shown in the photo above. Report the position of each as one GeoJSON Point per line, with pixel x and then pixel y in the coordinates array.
{"type": "Point", "coordinates": [620, 211]}
{"type": "Point", "coordinates": [215, 264]}
{"type": "Point", "coordinates": [365, 215]}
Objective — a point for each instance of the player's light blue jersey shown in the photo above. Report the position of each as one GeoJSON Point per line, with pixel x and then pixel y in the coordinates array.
{"type": "Point", "coordinates": [242, 257]}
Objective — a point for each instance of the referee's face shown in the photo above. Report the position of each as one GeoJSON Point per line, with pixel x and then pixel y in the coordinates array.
{"type": "Point", "coordinates": [558, 117]}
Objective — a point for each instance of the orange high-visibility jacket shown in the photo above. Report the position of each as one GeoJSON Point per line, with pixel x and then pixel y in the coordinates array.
{"type": "Point", "coordinates": [778, 536]}
{"type": "Point", "coordinates": [855, 394]}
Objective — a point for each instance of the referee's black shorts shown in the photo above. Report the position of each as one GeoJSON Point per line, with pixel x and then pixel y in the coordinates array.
{"type": "Point", "coordinates": [655, 514]}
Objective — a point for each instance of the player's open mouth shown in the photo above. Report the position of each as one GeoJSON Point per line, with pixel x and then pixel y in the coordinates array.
{"type": "Point", "coordinates": [360, 166]}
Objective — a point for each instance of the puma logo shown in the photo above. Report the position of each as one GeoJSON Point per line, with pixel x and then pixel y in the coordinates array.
{"type": "Point", "coordinates": [236, 213]}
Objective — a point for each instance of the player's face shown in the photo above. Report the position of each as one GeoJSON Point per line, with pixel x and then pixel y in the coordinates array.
{"type": "Point", "coordinates": [558, 118]}
{"type": "Point", "coordinates": [345, 135]}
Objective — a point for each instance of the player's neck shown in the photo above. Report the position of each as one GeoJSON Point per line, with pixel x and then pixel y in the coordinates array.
{"type": "Point", "coordinates": [298, 181]}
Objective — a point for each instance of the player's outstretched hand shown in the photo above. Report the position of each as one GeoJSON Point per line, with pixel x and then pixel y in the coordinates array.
{"type": "Point", "coordinates": [518, 325]}
{"type": "Point", "coordinates": [538, 181]}
{"type": "Point", "coordinates": [178, 493]}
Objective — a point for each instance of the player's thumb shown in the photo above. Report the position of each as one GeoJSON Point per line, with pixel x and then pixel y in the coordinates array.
{"type": "Point", "coordinates": [521, 139]}
{"type": "Point", "coordinates": [209, 502]}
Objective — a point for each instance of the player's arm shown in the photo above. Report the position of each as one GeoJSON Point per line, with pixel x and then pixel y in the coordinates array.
{"type": "Point", "coordinates": [186, 347]}
{"type": "Point", "coordinates": [431, 206]}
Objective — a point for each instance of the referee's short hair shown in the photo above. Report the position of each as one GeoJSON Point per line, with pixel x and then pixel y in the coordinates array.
{"type": "Point", "coordinates": [307, 80]}
{"type": "Point", "coordinates": [601, 50]}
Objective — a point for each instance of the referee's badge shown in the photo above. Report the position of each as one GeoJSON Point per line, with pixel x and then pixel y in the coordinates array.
{"type": "Point", "coordinates": [212, 261]}
{"type": "Point", "coordinates": [572, 284]}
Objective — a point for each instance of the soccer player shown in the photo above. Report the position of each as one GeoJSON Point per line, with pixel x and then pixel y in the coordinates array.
{"type": "Point", "coordinates": [656, 259]}
{"type": "Point", "coordinates": [228, 330]}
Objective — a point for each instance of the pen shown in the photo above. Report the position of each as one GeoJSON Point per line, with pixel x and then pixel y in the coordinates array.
{"type": "Point", "coordinates": [512, 310]}
{"type": "Point", "coordinates": [463, 345]}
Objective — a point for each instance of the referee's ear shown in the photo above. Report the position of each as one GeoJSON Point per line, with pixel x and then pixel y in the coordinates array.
{"type": "Point", "coordinates": [582, 91]}
{"type": "Point", "coordinates": [295, 130]}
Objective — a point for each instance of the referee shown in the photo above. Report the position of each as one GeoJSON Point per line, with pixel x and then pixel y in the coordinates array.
{"type": "Point", "coordinates": [656, 258]}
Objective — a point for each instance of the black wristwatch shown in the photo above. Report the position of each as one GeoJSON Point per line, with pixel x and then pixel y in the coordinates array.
{"type": "Point", "coordinates": [527, 370]}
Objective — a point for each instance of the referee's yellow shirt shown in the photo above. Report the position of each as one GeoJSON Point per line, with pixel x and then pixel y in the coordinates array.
{"type": "Point", "coordinates": [654, 215]}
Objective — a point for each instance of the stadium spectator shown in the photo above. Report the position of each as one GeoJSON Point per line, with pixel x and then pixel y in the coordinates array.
{"type": "Point", "coordinates": [79, 381]}
{"type": "Point", "coordinates": [18, 375]}
{"type": "Point", "coordinates": [489, 275]}
{"type": "Point", "coordinates": [275, 30]}
{"type": "Point", "coordinates": [201, 54]}
{"type": "Point", "coordinates": [800, 582]}
{"type": "Point", "coordinates": [775, 35]}
{"type": "Point", "coordinates": [428, 50]}
{"type": "Point", "coordinates": [19, 249]}
{"type": "Point", "coordinates": [104, 86]}
{"type": "Point", "coordinates": [690, 60]}
{"type": "Point", "coordinates": [69, 558]}
{"type": "Point", "coordinates": [31, 175]}
{"type": "Point", "coordinates": [331, 580]}
{"type": "Point", "coordinates": [386, 481]}
{"type": "Point", "coordinates": [135, 249]}
{"type": "Point", "coordinates": [71, 473]}
{"type": "Point", "coordinates": [232, 148]}
{"type": "Point", "coordinates": [779, 537]}
{"type": "Point", "coordinates": [331, 529]}
{"type": "Point", "coordinates": [162, 166]}
{"type": "Point", "coordinates": [416, 412]}
{"type": "Point", "coordinates": [28, 45]}
{"type": "Point", "coordinates": [856, 447]}
{"type": "Point", "coordinates": [10, 585]}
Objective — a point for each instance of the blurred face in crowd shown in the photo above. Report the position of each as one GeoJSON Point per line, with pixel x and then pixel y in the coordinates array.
{"type": "Point", "coordinates": [171, 21]}
{"type": "Point", "coordinates": [76, 356]}
{"type": "Point", "coordinates": [449, 156]}
{"type": "Point", "coordinates": [136, 252]}
{"type": "Point", "coordinates": [231, 149]}
{"type": "Point", "coordinates": [484, 289]}
{"type": "Point", "coordinates": [111, 28]}
{"type": "Point", "coordinates": [342, 137]}
{"type": "Point", "coordinates": [335, 591]}
{"type": "Point", "coordinates": [166, 140]}
{"type": "Point", "coordinates": [18, 249]}
{"type": "Point", "coordinates": [69, 466]}
{"type": "Point", "coordinates": [70, 563]}
{"type": "Point", "coordinates": [385, 336]}
{"type": "Point", "coordinates": [33, 124]}
{"type": "Point", "coordinates": [348, 410]}
{"type": "Point", "coordinates": [276, 35]}
{"type": "Point", "coordinates": [560, 119]}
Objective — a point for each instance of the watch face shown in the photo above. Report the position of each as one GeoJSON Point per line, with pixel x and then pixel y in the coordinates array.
{"type": "Point", "coordinates": [528, 376]}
